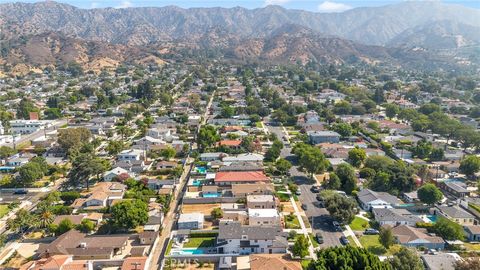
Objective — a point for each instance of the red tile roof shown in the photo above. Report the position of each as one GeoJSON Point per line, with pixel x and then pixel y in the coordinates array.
{"type": "Point", "coordinates": [134, 263]}
{"type": "Point", "coordinates": [252, 176]}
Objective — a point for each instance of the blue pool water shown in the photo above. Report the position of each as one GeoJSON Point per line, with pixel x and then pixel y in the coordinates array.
{"type": "Point", "coordinates": [190, 251]}
{"type": "Point", "coordinates": [214, 195]}
{"type": "Point", "coordinates": [201, 170]}
{"type": "Point", "coordinates": [432, 218]}
{"type": "Point", "coordinates": [196, 182]}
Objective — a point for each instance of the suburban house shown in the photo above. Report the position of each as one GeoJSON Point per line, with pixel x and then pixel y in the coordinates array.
{"type": "Point", "coordinates": [454, 213]}
{"type": "Point", "coordinates": [235, 238]}
{"type": "Point", "coordinates": [130, 155]}
{"type": "Point", "coordinates": [101, 195]}
{"type": "Point", "coordinates": [369, 199]}
{"type": "Point", "coordinates": [242, 190]}
{"type": "Point", "coordinates": [267, 262]}
{"type": "Point", "coordinates": [417, 237]}
{"type": "Point", "coordinates": [394, 217]}
{"type": "Point", "coordinates": [250, 157]}
{"type": "Point", "coordinates": [261, 202]}
{"type": "Point", "coordinates": [241, 166]}
{"type": "Point", "coordinates": [212, 156]}
{"type": "Point", "coordinates": [83, 247]}
{"type": "Point", "coordinates": [191, 221]}
{"type": "Point", "coordinates": [164, 164]}
{"type": "Point", "coordinates": [456, 188]}
{"type": "Point", "coordinates": [230, 178]}
{"type": "Point", "coordinates": [263, 217]}
{"type": "Point", "coordinates": [230, 144]}
{"type": "Point", "coordinates": [443, 261]}
{"type": "Point", "coordinates": [57, 262]}
{"type": "Point", "coordinates": [316, 137]}
{"type": "Point", "coordinates": [113, 173]}
{"type": "Point", "coordinates": [472, 232]}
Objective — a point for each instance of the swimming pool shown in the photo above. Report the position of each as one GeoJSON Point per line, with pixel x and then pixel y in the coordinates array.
{"type": "Point", "coordinates": [186, 251]}
{"type": "Point", "coordinates": [432, 218]}
{"type": "Point", "coordinates": [202, 170]}
{"type": "Point", "coordinates": [197, 182]}
{"type": "Point", "coordinates": [211, 195]}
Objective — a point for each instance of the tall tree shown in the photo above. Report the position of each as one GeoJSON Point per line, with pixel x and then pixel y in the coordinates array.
{"type": "Point", "coordinates": [429, 194]}
{"type": "Point", "coordinates": [346, 173]}
{"type": "Point", "coordinates": [406, 259]}
{"type": "Point", "coordinates": [129, 214]}
{"type": "Point", "coordinates": [300, 248]}
{"type": "Point", "coordinates": [341, 208]}
{"type": "Point", "coordinates": [386, 237]}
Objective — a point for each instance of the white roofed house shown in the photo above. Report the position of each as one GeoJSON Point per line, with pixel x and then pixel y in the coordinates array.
{"type": "Point", "coordinates": [369, 199]}
{"type": "Point", "coordinates": [131, 155]}
{"type": "Point", "coordinates": [263, 217]}
{"type": "Point", "coordinates": [235, 238]}
{"type": "Point", "coordinates": [148, 143]}
{"type": "Point", "coordinates": [115, 172]}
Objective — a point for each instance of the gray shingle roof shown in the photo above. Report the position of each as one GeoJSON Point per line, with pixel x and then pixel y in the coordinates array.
{"type": "Point", "coordinates": [367, 195]}
{"type": "Point", "coordinates": [235, 230]}
{"type": "Point", "coordinates": [454, 211]}
{"type": "Point", "coordinates": [392, 214]}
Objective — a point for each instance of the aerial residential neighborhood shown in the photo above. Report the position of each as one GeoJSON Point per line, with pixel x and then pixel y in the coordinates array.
{"type": "Point", "coordinates": [291, 149]}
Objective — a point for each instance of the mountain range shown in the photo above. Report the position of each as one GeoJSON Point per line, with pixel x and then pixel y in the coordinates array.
{"type": "Point", "coordinates": [423, 31]}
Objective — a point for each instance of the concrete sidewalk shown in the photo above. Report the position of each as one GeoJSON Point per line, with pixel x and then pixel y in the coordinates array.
{"type": "Point", "coordinates": [304, 229]}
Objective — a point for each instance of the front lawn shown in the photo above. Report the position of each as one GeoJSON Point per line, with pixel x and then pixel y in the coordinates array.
{"type": "Point", "coordinates": [352, 242]}
{"type": "Point", "coordinates": [359, 224]}
{"type": "Point", "coordinates": [372, 244]}
{"type": "Point", "coordinates": [291, 222]}
{"type": "Point", "coordinates": [200, 242]}
{"type": "Point", "coordinates": [314, 240]}
{"type": "Point", "coordinates": [3, 210]}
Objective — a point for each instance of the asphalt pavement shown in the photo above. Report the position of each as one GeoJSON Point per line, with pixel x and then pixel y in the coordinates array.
{"type": "Point", "coordinates": [318, 217]}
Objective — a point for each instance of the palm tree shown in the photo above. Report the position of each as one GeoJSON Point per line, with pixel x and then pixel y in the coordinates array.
{"type": "Point", "coordinates": [45, 216]}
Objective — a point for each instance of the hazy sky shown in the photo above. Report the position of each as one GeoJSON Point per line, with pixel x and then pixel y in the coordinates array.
{"type": "Point", "coordinates": [310, 5]}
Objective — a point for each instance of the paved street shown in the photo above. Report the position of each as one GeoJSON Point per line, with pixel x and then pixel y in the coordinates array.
{"type": "Point", "coordinates": [317, 216]}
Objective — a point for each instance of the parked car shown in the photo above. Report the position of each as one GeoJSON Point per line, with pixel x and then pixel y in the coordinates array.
{"type": "Point", "coordinates": [315, 189]}
{"type": "Point", "coordinates": [319, 198]}
{"type": "Point", "coordinates": [337, 226]}
{"type": "Point", "coordinates": [344, 240]}
{"type": "Point", "coordinates": [371, 232]}
{"type": "Point", "coordinates": [304, 206]}
{"type": "Point", "coordinates": [20, 192]}
{"type": "Point", "coordinates": [319, 238]}
{"type": "Point", "coordinates": [298, 192]}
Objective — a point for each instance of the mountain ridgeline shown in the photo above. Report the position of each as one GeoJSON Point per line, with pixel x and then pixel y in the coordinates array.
{"type": "Point", "coordinates": [395, 33]}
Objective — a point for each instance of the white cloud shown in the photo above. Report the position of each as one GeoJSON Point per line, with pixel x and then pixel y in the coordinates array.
{"type": "Point", "coordinates": [328, 6]}
{"type": "Point", "coordinates": [94, 5]}
{"type": "Point", "coordinates": [276, 2]}
{"type": "Point", "coordinates": [125, 4]}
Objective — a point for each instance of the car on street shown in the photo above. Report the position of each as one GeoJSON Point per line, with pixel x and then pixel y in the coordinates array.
{"type": "Point", "coordinates": [20, 192]}
{"type": "Point", "coordinates": [319, 238]}
{"type": "Point", "coordinates": [371, 232]}
{"type": "Point", "coordinates": [298, 192]}
{"type": "Point", "coordinates": [304, 207]}
{"type": "Point", "coordinates": [315, 189]}
{"type": "Point", "coordinates": [319, 198]}
{"type": "Point", "coordinates": [344, 240]}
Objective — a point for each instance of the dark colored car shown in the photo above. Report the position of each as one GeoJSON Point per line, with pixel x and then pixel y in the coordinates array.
{"type": "Point", "coordinates": [319, 238]}
{"type": "Point", "coordinates": [336, 226]}
{"type": "Point", "coordinates": [315, 189]}
{"type": "Point", "coordinates": [304, 207]}
{"type": "Point", "coordinates": [20, 192]}
{"type": "Point", "coordinates": [371, 232]}
{"type": "Point", "coordinates": [344, 240]}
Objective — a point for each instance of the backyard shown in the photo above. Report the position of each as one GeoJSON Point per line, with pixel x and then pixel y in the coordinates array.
{"type": "Point", "coordinates": [200, 241]}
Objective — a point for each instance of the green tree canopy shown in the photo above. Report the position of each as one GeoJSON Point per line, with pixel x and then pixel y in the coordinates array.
{"type": "Point", "coordinates": [348, 258]}
{"type": "Point", "coordinates": [341, 208]}
{"type": "Point", "coordinates": [129, 214]}
{"type": "Point", "coordinates": [429, 194]}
